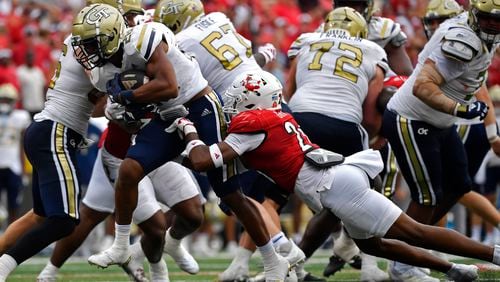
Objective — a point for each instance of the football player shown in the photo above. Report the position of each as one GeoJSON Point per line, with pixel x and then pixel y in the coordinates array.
{"type": "Point", "coordinates": [13, 123]}
{"type": "Point", "coordinates": [418, 122]}
{"type": "Point", "coordinates": [334, 77]}
{"type": "Point", "coordinates": [176, 80]}
{"type": "Point", "coordinates": [50, 144]}
{"type": "Point", "coordinates": [271, 141]}
{"type": "Point", "coordinates": [388, 35]}
{"type": "Point", "coordinates": [222, 54]}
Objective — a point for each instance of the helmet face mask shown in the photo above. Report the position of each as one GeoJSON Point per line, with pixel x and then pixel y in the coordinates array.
{"type": "Point", "coordinates": [97, 35]}
{"type": "Point", "coordinates": [364, 7]}
{"type": "Point", "coordinates": [250, 91]}
{"type": "Point", "coordinates": [178, 14]}
{"type": "Point", "coordinates": [348, 19]}
{"type": "Point", "coordinates": [484, 18]}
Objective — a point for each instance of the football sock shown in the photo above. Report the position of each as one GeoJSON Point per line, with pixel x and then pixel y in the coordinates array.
{"type": "Point", "coordinates": [242, 256]}
{"type": "Point", "coordinates": [496, 255]}
{"type": "Point", "coordinates": [7, 265]}
{"type": "Point", "coordinates": [122, 236]}
{"type": "Point", "coordinates": [279, 239]}
{"type": "Point", "coordinates": [269, 256]}
{"type": "Point", "coordinates": [159, 271]}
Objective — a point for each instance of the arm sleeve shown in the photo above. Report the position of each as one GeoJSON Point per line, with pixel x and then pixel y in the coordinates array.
{"type": "Point", "coordinates": [242, 143]}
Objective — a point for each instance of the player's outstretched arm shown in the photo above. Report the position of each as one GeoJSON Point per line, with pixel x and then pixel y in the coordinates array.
{"type": "Point", "coordinates": [200, 156]}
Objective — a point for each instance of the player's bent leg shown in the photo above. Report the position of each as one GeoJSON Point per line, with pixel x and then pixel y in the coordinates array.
{"type": "Point", "coordinates": [126, 191]}
{"type": "Point", "coordinates": [50, 230]}
{"type": "Point", "coordinates": [65, 247]}
{"type": "Point", "coordinates": [480, 205]}
{"type": "Point", "coordinates": [189, 217]}
{"type": "Point", "coordinates": [17, 228]}
{"type": "Point", "coordinates": [439, 239]}
{"type": "Point", "coordinates": [154, 236]}
{"type": "Point", "coordinates": [275, 266]}
{"type": "Point", "coordinates": [126, 194]}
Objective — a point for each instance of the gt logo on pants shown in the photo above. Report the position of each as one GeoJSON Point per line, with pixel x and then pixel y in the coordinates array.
{"type": "Point", "coordinates": [422, 131]}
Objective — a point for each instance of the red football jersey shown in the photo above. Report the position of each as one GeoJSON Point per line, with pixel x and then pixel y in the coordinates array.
{"type": "Point", "coordinates": [117, 141]}
{"type": "Point", "coordinates": [281, 154]}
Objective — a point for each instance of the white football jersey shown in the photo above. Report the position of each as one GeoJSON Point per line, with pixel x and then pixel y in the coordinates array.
{"type": "Point", "coordinates": [142, 40]}
{"type": "Point", "coordinates": [67, 97]}
{"type": "Point", "coordinates": [333, 73]}
{"type": "Point", "coordinates": [380, 30]}
{"type": "Point", "coordinates": [221, 52]}
{"type": "Point", "coordinates": [11, 129]}
{"type": "Point", "coordinates": [463, 77]}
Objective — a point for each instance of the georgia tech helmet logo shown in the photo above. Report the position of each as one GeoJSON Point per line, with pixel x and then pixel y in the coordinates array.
{"type": "Point", "coordinates": [97, 16]}
{"type": "Point", "coordinates": [172, 8]}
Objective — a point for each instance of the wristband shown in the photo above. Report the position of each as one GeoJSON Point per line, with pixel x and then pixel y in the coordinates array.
{"type": "Point", "coordinates": [189, 128]}
{"type": "Point", "coordinates": [193, 143]}
{"type": "Point", "coordinates": [216, 155]}
{"type": "Point", "coordinates": [491, 132]}
{"type": "Point", "coordinates": [459, 108]}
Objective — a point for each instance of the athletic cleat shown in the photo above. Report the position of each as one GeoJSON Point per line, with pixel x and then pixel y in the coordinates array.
{"type": "Point", "coordinates": [182, 257]}
{"type": "Point", "coordinates": [311, 278]}
{"type": "Point", "coordinates": [135, 270]}
{"type": "Point", "coordinates": [109, 257]}
{"type": "Point", "coordinates": [356, 262]}
{"type": "Point", "coordinates": [335, 264]}
{"type": "Point", "coordinates": [260, 277]}
{"type": "Point", "coordinates": [46, 279]}
{"type": "Point", "coordinates": [407, 273]}
{"type": "Point", "coordinates": [292, 253]}
{"type": "Point", "coordinates": [462, 273]}
{"type": "Point", "coordinates": [235, 272]}
{"type": "Point", "coordinates": [278, 271]}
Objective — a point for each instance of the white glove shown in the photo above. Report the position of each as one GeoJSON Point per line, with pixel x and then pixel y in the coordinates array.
{"type": "Point", "coordinates": [183, 126]}
{"type": "Point", "coordinates": [114, 111]}
{"type": "Point", "coordinates": [173, 113]}
{"type": "Point", "coordinates": [268, 51]}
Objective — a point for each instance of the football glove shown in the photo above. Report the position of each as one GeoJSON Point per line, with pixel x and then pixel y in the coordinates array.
{"type": "Point", "coordinates": [476, 109]}
{"type": "Point", "coordinates": [183, 126]}
{"type": "Point", "coordinates": [173, 113]}
{"type": "Point", "coordinates": [114, 111]}
{"type": "Point", "coordinates": [268, 51]}
{"type": "Point", "coordinates": [117, 91]}
{"type": "Point", "coordinates": [135, 112]}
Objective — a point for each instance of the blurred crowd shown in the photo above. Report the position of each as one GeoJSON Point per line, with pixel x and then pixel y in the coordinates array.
{"type": "Point", "coordinates": [32, 32]}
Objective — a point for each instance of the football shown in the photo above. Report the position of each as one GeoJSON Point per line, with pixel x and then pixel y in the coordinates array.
{"type": "Point", "coordinates": [133, 79]}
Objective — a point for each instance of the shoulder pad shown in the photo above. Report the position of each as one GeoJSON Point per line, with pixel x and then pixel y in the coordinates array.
{"type": "Point", "coordinates": [461, 44]}
{"type": "Point", "coordinates": [146, 37]}
{"type": "Point", "coordinates": [245, 122]}
{"type": "Point", "coordinates": [300, 42]}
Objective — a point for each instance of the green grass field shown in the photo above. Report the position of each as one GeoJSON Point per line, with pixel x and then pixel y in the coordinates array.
{"type": "Point", "coordinates": [79, 270]}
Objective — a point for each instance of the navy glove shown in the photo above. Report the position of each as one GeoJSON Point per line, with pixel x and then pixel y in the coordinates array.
{"type": "Point", "coordinates": [476, 109]}
{"type": "Point", "coordinates": [117, 91]}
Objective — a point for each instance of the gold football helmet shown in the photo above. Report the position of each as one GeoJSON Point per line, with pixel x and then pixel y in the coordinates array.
{"type": "Point", "coordinates": [8, 98]}
{"type": "Point", "coordinates": [348, 19]}
{"type": "Point", "coordinates": [437, 12]}
{"type": "Point", "coordinates": [124, 6]}
{"type": "Point", "coordinates": [178, 14]}
{"type": "Point", "coordinates": [484, 18]}
{"type": "Point", "coordinates": [364, 7]}
{"type": "Point", "coordinates": [97, 34]}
